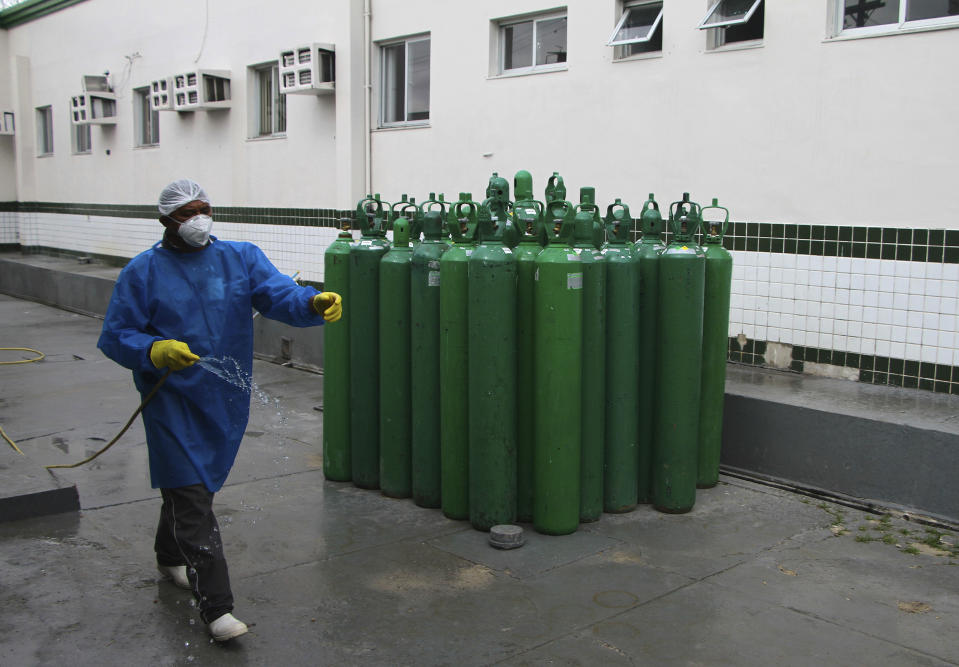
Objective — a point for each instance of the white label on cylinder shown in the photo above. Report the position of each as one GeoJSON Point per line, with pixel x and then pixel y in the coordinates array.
{"type": "Point", "coordinates": [435, 265]}
{"type": "Point", "coordinates": [574, 281]}
{"type": "Point", "coordinates": [433, 278]}
{"type": "Point", "coordinates": [469, 251]}
{"type": "Point", "coordinates": [508, 251]}
{"type": "Point", "coordinates": [536, 275]}
{"type": "Point", "coordinates": [573, 257]}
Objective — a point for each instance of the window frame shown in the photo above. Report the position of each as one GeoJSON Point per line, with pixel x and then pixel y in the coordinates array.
{"type": "Point", "coordinates": [533, 68]}
{"type": "Point", "coordinates": [142, 106]}
{"type": "Point", "coordinates": [78, 131]}
{"type": "Point", "coordinates": [278, 102]}
{"type": "Point", "coordinates": [902, 26]}
{"type": "Point", "coordinates": [45, 138]}
{"type": "Point", "coordinates": [716, 41]}
{"type": "Point", "coordinates": [621, 46]}
{"type": "Point", "coordinates": [384, 99]}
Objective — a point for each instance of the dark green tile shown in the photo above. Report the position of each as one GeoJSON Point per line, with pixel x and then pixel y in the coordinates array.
{"type": "Point", "coordinates": [778, 231]}
{"type": "Point", "coordinates": [816, 248]}
{"type": "Point", "coordinates": [911, 368]}
{"type": "Point", "coordinates": [934, 254]}
{"type": "Point", "coordinates": [865, 376]}
{"type": "Point", "coordinates": [874, 235]}
{"type": "Point", "coordinates": [928, 385]}
{"type": "Point", "coordinates": [777, 245]}
{"type": "Point", "coordinates": [797, 366]}
{"type": "Point", "coordinates": [764, 244]}
{"type": "Point", "coordinates": [830, 249]}
{"type": "Point", "coordinates": [802, 231]}
{"type": "Point", "coordinates": [896, 366]}
{"type": "Point", "coordinates": [937, 236]}
{"type": "Point", "coordinates": [866, 362]}
{"type": "Point", "coordinates": [789, 246]}
{"type": "Point", "coordinates": [888, 235]}
{"type": "Point", "coordinates": [845, 249]}
{"type": "Point", "coordinates": [943, 372]}
{"type": "Point", "coordinates": [919, 253]}
{"type": "Point", "coordinates": [895, 380]}
{"type": "Point", "coordinates": [904, 236]}
{"type": "Point", "coordinates": [920, 236]}
{"type": "Point", "coordinates": [740, 243]}
{"type": "Point", "coordinates": [728, 243]}
{"type": "Point", "coordinates": [952, 237]}
{"type": "Point", "coordinates": [873, 250]}
{"type": "Point", "coordinates": [950, 255]}
{"type": "Point", "coordinates": [739, 229]}
{"type": "Point", "coordinates": [752, 229]}
{"type": "Point", "coordinates": [879, 378]}
{"type": "Point", "coordinates": [880, 364]}
{"type": "Point", "coordinates": [904, 253]}
{"type": "Point", "coordinates": [852, 360]}
{"type": "Point", "coordinates": [845, 233]}
{"type": "Point", "coordinates": [817, 233]}
{"type": "Point", "coordinates": [798, 351]}
{"type": "Point", "coordinates": [838, 358]}
{"type": "Point", "coordinates": [832, 233]}
{"type": "Point", "coordinates": [888, 251]}
{"type": "Point", "coordinates": [942, 387]}
{"type": "Point", "coordinates": [765, 230]}
{"type": "Point", "coordinates": [859, 250]}
{"type": "Point", "coordinates": [927, 370]}
{"type": "Point", "coordinates": [752, 243]}
{"type": "Point", "coordinates": [789, 231]}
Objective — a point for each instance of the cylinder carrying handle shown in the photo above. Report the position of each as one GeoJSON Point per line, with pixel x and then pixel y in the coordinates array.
{"type": "Point", "coordinates": [706, 227]}
{"type": "Point", "coordinates": [618, 226]}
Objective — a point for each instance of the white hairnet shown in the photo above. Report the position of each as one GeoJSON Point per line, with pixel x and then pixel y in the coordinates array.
{"type": "Point", "coordinates": [179, 193]}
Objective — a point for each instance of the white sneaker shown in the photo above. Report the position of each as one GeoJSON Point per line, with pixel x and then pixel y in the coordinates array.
{"type": "Point", "coordinates": [177, 573]}
{"type": "Point", "coordinates": [227, 627]}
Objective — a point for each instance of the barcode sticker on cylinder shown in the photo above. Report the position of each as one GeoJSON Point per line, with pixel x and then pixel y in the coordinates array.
{"type": "Point", "coordinates": [574, 281]}
{"type": "Point", "coordinates": [433, 279]}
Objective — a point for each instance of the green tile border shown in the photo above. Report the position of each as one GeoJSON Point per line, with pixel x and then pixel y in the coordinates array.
{"type": "Point", "coordinates": [873, 369]}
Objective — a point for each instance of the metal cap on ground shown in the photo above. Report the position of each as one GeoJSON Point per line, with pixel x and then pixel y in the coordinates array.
{"type": "Point", "coordinates": [506, 536]}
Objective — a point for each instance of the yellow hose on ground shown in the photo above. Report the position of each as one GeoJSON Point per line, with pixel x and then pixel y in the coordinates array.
{"type": "Point", "coordinates": [22, 361]}
{"type": "Point", "coordinates": [109, 444]}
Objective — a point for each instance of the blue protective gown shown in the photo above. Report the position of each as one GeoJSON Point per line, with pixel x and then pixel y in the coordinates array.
{"type": "Point", "coordinates": [196, 420]}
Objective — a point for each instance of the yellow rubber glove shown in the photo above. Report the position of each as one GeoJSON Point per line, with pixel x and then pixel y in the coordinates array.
{"type": "Point", "coordinates": [330, 304]}
{"type": "Point", "coordinates": [173, 353]}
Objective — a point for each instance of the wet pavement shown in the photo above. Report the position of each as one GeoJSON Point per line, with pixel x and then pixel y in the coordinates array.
{"type": "Point", "coordinates": [328, 574]}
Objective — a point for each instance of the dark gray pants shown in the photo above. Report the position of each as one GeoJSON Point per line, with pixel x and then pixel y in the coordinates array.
{"type": "Point", "coordinates": [189, 535]}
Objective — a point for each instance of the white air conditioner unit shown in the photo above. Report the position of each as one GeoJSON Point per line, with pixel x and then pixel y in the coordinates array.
{"type": "Point", "coordinates": [309, 69]}
{"type": "Point", "coordinates": [7, 124]}
{"type": "Point", "coordinates": [203, 89]}
{"type": "Point", "coordinates": [96, 83]}
{"type": "Point", "coordinates": [93, 109]}
{"type": "Point", "coordinates": [161, 95]}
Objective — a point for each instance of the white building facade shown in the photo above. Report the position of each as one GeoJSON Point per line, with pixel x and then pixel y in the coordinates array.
{"type": "Point", "coordinates": [826, 126]}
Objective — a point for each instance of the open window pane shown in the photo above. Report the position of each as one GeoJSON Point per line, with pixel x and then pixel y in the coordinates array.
{"type": "Point", "coordinates": [518, 45]}
{"type": "Point", "coordinates": [729, 13]}
{"type": "Point", "coordinates": [638, 24]}
{"type": "Point", "coordinates": [865, 13]}
{"type": "Point", "coordinates": [418, 86]}
{"type": "Point", "coordinates": [394, 83]}
{"type": "Point", "coordinates": [917, 10]}
{"type": "Point", "coordinates": [551, 41]}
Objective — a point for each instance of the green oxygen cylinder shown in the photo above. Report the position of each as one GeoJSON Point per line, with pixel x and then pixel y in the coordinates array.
{"type": "Point", "coordinates": [646, 255]}
{"type": "Point", "coordinates": [527, 219]}
{"type": "Point", "coordinates": [620, 479]}
{"type": "Point", "coordinates": [425, 355]}
{"type": "Point", "coordinates": [682, 276]}
{"type": "Point", "coordinates": [558, 374]}
{"type": "Point", "coordinates": [491, 322]}
{"type": "Point", "coordinates": [454, 359]}
{"type": "Point", "coordinates": [337, 461]}
{"type": "Point", "coordinates": [555, 188]}
{"type": "Point", "coordinates": [719, 277]}
{"type": "Point", "coordinates": [594, 356]}
{"type": "Point", "coordinates": [365, 255]}
{"type": "Point", "coordinates": [394, 351]}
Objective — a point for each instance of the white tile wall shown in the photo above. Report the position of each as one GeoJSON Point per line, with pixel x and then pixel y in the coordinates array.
{"type": "Point", "coordinates": [906, 310]}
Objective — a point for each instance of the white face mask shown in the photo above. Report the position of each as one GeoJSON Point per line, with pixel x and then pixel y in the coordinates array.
{"type": "Point", "coordinates": [196, 230]}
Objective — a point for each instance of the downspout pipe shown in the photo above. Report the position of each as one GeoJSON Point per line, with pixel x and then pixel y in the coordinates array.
{"type": "Point", "coordinates": [368, 91]}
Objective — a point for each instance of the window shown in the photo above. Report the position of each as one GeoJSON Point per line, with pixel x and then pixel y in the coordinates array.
{"type": "Point", "coordinates": [45, 130]}
{"type": "Point", "coordinates": [731, 21]}
{"type": "Point", "coordinates": [405, 92]}
{"type": "Point", "coordinates": [532, 45]}
{"type": "Point", "coordinates": [640, 30]}
{"type": "Point", "coordinates": [81, 139]}
{"type": "Point", "coordinates": [269, 112]}
{"type": "Point", "coordinates": [889, 16]}
{"type": "Point", "coordinates": [146, 121]}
